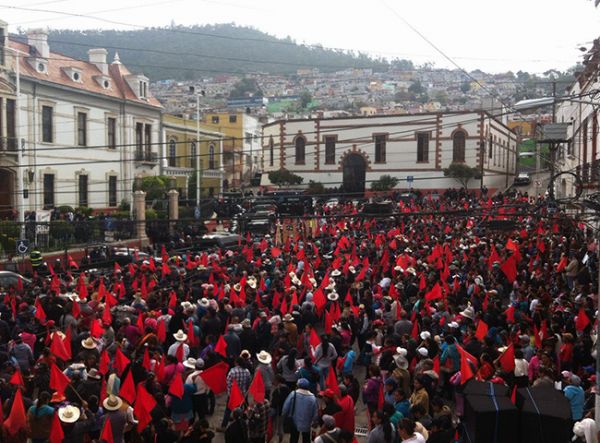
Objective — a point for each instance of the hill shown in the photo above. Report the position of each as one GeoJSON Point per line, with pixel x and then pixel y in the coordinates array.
{"type": "Point", "coordinates": [182, 52]}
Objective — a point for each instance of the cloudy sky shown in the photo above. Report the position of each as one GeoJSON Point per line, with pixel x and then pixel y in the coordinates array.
{"type": "Point", "coordinates": [496, 36]}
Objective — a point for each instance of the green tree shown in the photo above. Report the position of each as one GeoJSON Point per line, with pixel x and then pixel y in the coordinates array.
{"type": "Point", "coordinates": [155, 187]}
{"type": "Point", "coordinates": [305, 99]}
{"type": "Point", "coordinates": [442, 97]}
{"type": "Point", "coordinates": [462, 173]}
{"type": "Point", "coordinates": [283, 177]}
{"type": "Point", "coordinates": [315, 188]}
{"type": "Point", "coordinates": [385, 183]}
{"type": "Point", "coordinates": [465, 87]}
{"type": "Point", "coordinates": [246, 87]}
{"type": "Point", "coordinates": [416, 88]}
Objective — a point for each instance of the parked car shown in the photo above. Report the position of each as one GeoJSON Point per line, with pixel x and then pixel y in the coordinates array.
{"type": "Point", "coordinates": [9, 278]}
{"type": "Point", "coordinates": [522, 179]}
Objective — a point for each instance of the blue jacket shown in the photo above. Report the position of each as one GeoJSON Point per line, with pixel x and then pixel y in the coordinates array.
{"type": "Point", "coordinates": [305, 410]}
{"type": "Point", "coordinates": [451, 353]}
{"type": "Point", "coordinates": [576, 398]}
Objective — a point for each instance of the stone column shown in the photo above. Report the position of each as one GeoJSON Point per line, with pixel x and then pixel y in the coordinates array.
{"type": "Point", "coordinates": [173, 208]}
{"type": "Point", "coordinates": [139, 205]}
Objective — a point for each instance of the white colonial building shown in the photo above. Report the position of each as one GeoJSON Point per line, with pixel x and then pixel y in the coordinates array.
{"type": "Point", "coordinates": [579, 113]}
{"type": "Point", "coordinates": [86, 128]}
{"type": "Point", "coordinates": [351, 152]}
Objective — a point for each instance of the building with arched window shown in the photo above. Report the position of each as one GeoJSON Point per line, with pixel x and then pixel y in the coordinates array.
{"type": "Point", "coordinates": [351, 152]}
{"type": "Point", "coordinates": [184, 153]}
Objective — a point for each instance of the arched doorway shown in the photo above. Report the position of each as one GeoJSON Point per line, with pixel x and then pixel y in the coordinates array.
{"type": "Point", "coordinates": [7, 191]}
{"type": "Point", "coordinates": [355, 169]}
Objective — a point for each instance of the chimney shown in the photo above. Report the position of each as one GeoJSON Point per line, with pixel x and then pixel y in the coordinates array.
{"type": "Point", "coordinates": [38, 39]}
{"type": "Point", "coordinates": [98, 57]}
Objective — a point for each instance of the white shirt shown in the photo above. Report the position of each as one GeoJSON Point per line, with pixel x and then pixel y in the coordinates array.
{"type": "Point", "coordinates": [173, 350]}
{"type": "Point", "coordinates": [417, 438]}
{"type": "Point", "coordinates": [521, 367]}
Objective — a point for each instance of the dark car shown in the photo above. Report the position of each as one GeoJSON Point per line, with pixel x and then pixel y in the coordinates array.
{"type": "Point", "coordinates": [379, 208]}
{"type": "Point", "coordinates": [522, 179]}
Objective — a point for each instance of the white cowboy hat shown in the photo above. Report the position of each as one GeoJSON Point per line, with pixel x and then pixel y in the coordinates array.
{"type": "Point", "coordinates": [112, 403]}
{"type": "Point", "coordinates": [93, 373]}
{"type": "Point", "coordinates": [204, 302]}
{"type": "Point", "coordinates": [401, 361]}
{"type": "Point", "coordinates": [264, 357]}
{"type": "Point", "coordinates": [336, 273]}
{"type": "Point", "coordinates": [398, 269]}
{"type": "Point", "coordinates": [333, 296]}
{"type": "Point", "coordinates": [423, 352]}
{"type": "Point", "coordinates": [237, 287]}
{"type": "Point", "coordinates": [88, 343]}
{"type": "Point", "coordinates": [296, 281]}
{"type": "Point", "coordinates": [411, 270]}
{"type": "Point", "coordinates": [352, 269]}
{"type": "Point", "coordinates": [180, 336]}
{"type": "Point", "coordinates": [187, 306]}
{"type": "Point", "coordinates": [402, 352]}
{"type": "Point", "coordinates": [288, 317]}
{"type": "Point", "coordinates": [252, 282]}
{"type": "Point", "coordinates": [425, 335]}
{"type": "Point", "coordinates": [190, 363]}
{"type": "Point", "coordinates": [313, 281]}
{"type": "Point", "coordinates": [469, 312]}
{"type": "Point", "coordinates": [69, 414]}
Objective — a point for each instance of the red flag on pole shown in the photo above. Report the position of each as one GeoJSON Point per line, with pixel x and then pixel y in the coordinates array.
{"type": "Point", "coordinates": [176, 388]}
{"type": "Point", "coordinates": [107, 433]}
{"type": "Point", "coordinates": [482, 330]}
{"type": "Point", "coordinates": [582, 320]}
{"type": "Point", "coordinates": [507, 359]}
{"type": "Point", "coordinates": [17, 379]}
{"type": "Point", "coordinates": [58, 380]}
{"type": "Point", "coordinates": [509, 267]}
{"type": "Point", "coordinates": [17, 419]}
{"type": "Point", "coordinates": [104, 362]}
{"type": "Point", "coordinates": [221, 346]}
{"type": "Point", "coordinates": [121, 361]}
{"type": "Point", "coordinates": [332, 382]}
{"type": "Point", "coordinates": [56, 431]}
{"type": "Point", "coordinates": [143, 407]}
{"type": "Point", "coordinates": [236, 397]}
{"type": "Point", "coordinates": [257, 388]}
{"type": "Point", "coordinates": [127, 390]}
{"type": "Point", "coordinates": [215, 377]}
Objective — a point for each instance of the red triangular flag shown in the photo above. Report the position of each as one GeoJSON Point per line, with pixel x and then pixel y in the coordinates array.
{"type": "Point", "coordinates": [56, 431]}
{"type": "Point", "coordinates": [414, 333]}
{"type": "Point", "coordinates": [482, 330]}
{"type": "Point", "coordinates": [76, 310]}
{"type": "Point", "coordinates": [582, 320]}
{"type": "Point", "coordinates": [106, 316]}
{"type": "Point", "coordinates": [236, 397]}
{"type": "Point", "coordinates": [17, 379]}
{"type": "Point", "coordinates": [509, 267]}
{"type": "Point", "coordinates": [58, 380]}
{"type": "Point", "coordinates": [161, 331]}
{"type": "Point", "coordinates": [127, 390]}
{"type": "Point", "coordinates": [436, 365]}
{"type": "Point", "coordinates": [121, 361]}
{"type": "Point", "coordinates": [146, 360]}
{"type": "Point", "coordinates": [332, 382]}
{"type": "Point", "coordinates": [510, 314]}
{"type": "Point", "coordinates": [221, 346]}
{"type": "Point", "coordinates": [380, 397]}
{"type": "Point", "coordinates": [180, 352]}
{"type": "Point", "coordinates": [104, 362]}
{"type": "Point", "coordinates": [143, 407]}
{"type": "Point", "coordinates": [40, 314]}
{"type": "Point", "coordinates": [215, 377]}
{"type": "Point", "coordinates": [257, 388]}
{"type": "Point", "coordinates": [57, 347]}
{"type": "Point", "coordinates": [17, 418]}
{"type": "Point", "coordinates": [507, 359]}
{"type": "Point", "coordinates": [466, 372]}
{"type": "Point", "coordinates": [96, 330]}
{"type": "Point", "coordinates": [107, 433]}
{"type": "Point", "coordinates": [176, 386]}
{"type": "Point", "coordinates": [562, 264]}
{"type": "Point", "coordinates": [513, 395]}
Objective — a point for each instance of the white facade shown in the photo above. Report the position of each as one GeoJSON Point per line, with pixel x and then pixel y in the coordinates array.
{"type": "Point", "coordinates": [80, 124]}
{"type": "Point", "coordinates": [252, 146]}
{"type": "Point", "coordinates": [580, 155]}
{"type": "Point", "coordinates": [418, 146]}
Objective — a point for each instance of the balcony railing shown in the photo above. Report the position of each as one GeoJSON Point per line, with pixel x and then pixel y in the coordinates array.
{"type": "Point", "coordinates": [8, 145]}
{"type": "Point", "coordinates": [146, 157]}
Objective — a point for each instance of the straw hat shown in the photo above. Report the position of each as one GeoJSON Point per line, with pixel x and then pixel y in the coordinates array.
{"type": "Point", "coordinates": [352, 269]}
{"type": "Point", "coordinates": [180, 336]}
{"type": "Point", "coordinates": [333, 296]}
{"type": "Point", "coordinates": [336, 273]}
{"type": "Point", "coordinates": [190, 363]}
{"type": "Point", "coordinates": [112, 403]}
{"type": "Point", "coordinates": [469, 312]}
{"type": "Point", "coordinates": [88, 343]}
{"type": "Point", "coordinates": [288, 318]}
{"type": "Point", "coordinates": [69, 414]}
{"type": "Point", "coordinates": [187, 306]}
{"type": "Point", "coordinates": [237, 287]}
{"type": "Point", "coordinates": [264, 357]}
{"type": "Point", "coordinates": [401, 361]}
{"type": "Point", "coordinates": [93, 373]}
{"type": "Point", "coordinates": [252, 282]}
{"type": "Point", "coordinates": [204, 302]}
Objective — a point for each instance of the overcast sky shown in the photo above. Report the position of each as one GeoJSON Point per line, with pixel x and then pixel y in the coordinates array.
{"type": "Point", "coordinates": [495, 36]}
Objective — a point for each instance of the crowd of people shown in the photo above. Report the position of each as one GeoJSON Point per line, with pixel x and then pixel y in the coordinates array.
{"type": "Point", "coordinates": [356, 322]}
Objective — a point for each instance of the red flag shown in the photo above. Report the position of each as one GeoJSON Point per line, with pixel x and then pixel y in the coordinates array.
{"type": "Point", "coordinates": [275, 252]}
{"type": "Point", "coordinates": [104, 362]}
{"type": "Point", "coordinates": [482, 330]}
{"type": "Point", "coordinates": [509, 267]}
{"type": "Point", "coordinates": [106, 316]}
{"type": "Point", "coordinates": [582, 320]}
{"type": "Point", "coordinates": [72, 263]}
{"type": "Point", "coordinates": [319, 300]}
{"type": "Point", "coordinates": [221, 346]}
{"type": "Point", "coordinates": [17, 418]}
{"type": "Point", "coordinates": [215, 377]}
{"type": "Point", "coordinates": [314, 339]}
{"type": "Point", "coordinates": [107, 433]}
{"type": "Point", "coordinates": [20, 284]}
{"type": "Point", "coordinates": [96, 330]}
{"type": "Point", "coordinates": [510, 314]}
{"type": "Point", "coordinates": [176, 386]}
{"type": "Point", "coordinates": [146, 360]}
{"type": "Point", "coordinates": [328, 323]}
{"type": "Point", "coordinates": [40, 314]}
{"type": "Point", "coordinates": [562, 264]}
{"type": "Point", "coordinates": [380, 398]}
{"type": "Point", "coordinates": [435, 293]}
{"type": "Point", "coordinates": [466, 373]}
{"type": "Point", "coordinates": [17, 379]}
{"type": "Point", "coordinates": [236, 397]}
{"type": "Point", "coordinates": [414, 333]}
{"type": "Point", "coordinates": [257, 388]}
{"type": "Point", "coordinates": [75, 310]}
{"type": "Point", "coordinates": [57, 347]}
{"type": "Point", "coordinates": [436, 365]}
{"type": "Point", "coordinates": [143, 407]}
{"type": "Point", "coordinates": [127, 390]}
{"type": "Point", "coordinates": [507, 359]}
{"type": "Point", "coordinates": [56, 431]}
{"type": "Point", "coordinates": [332, 382]}
{"type": "Point", "coordinates": [513, 395]}
{"type": "Point", "coordinates": [161, 331]}
{"type": "Point", "coordinates": [422, 283]}
{"type": "Point", "coordinates": [180, 352]}
{"type": "Point", "coordinates": [58, 380]}
{"type": "Point", "coordinates": [494, 257]}
{"type": "Point", "coordinates": [121, 361]}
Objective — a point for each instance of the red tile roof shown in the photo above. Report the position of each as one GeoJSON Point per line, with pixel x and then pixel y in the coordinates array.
{"type": "Point", "coordinates": [119, 87]}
